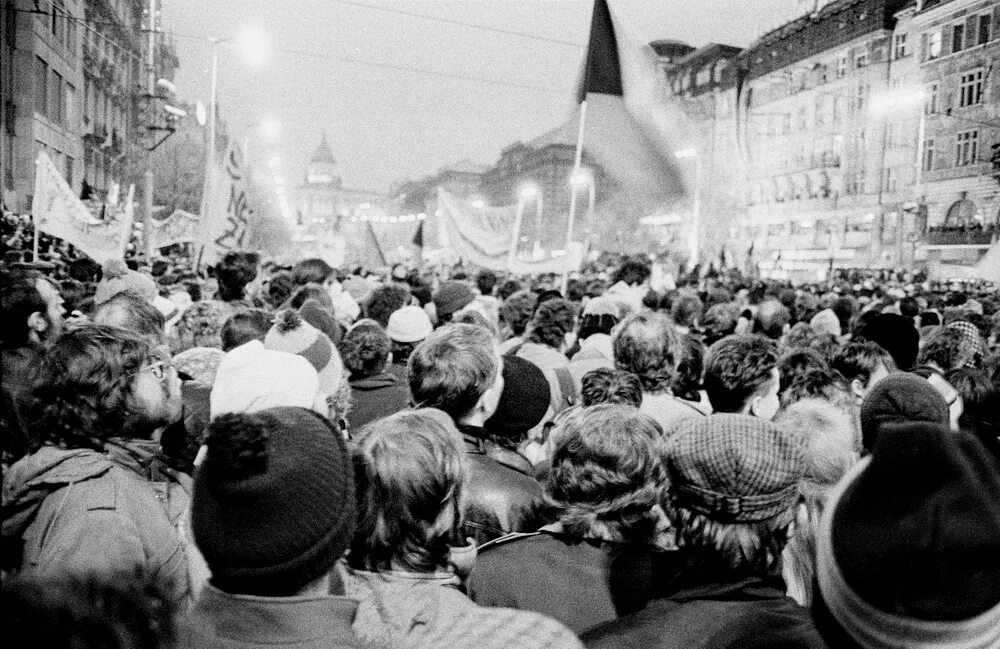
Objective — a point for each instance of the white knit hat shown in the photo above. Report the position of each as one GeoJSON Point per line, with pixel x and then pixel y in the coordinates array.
{"type": "Point", "coordinates": [291, 333]}
{"type": "Point", "coordinates": [251, 378]}
{"type": "Point", "coordinates": [411, 324]}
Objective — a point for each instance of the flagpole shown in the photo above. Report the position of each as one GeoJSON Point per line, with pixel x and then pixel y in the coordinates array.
{"type": "Point", "coordinates": [574, 181]}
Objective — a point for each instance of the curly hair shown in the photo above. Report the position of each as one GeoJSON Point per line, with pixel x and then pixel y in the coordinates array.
{"type": "Point", "coordinates": [409, 467]}
{"type": "Point", "coordinates": [861, 360]}
{"type": "Point", "coordinates": [311, 271]}
{"type": "Point", "coordinates": [607, 479]}
{"type": "Point", "coordinates": [796, 363]}
{"type": "Point", "coordinates": [234, 272]}
{"type": "Point", "coordinates": [517, 310]}
{"type": "Point", "coordinates": [648, 345]}
{"type": "Point", "coordinates": [79, 398]}
{"type": "Point", "coordinates": [386, 300]}
{"type": "Point", "coordinates": [948, 348]}
{"type": "Point", "coordinates": [736, 368]}
{"type": "Point", "coordinates": [279, 288]}
{"type": "Point", "coordinates": [552, 321]}
{"type": "Point", "coordinates": [365, 349]}
{"type": "Point", "coordinates": [735, 549]}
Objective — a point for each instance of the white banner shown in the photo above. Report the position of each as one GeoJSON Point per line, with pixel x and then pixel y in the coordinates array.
{"type": "Point", "coordinates": [179, 227]}
{"type": "Point", "coordinates": [484, 236]}
{"type": "Point", "coordinates": [225, 212]}
{"type": "Point", "coordinates": [57, 211]}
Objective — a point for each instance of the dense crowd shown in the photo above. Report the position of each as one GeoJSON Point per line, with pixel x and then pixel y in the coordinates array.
{"type": "Point", "coordinates": [304, 456]}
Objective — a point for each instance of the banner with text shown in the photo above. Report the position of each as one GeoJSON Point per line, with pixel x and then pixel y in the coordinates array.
{"type": "Point", "coordinates": [225, 211]}
{"type": "Point", "coordinates": [179, 227]}
{"type": "Point", "coordinates": [57, 211]}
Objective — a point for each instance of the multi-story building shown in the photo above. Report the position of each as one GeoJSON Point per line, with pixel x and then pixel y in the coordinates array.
{"type": "Point", "coordinates": [701, 83]}
{"type": "Point", "coordinates": [73, 86]}
{"type": "Point", "coordinates": [43, 90]}
{"type": "Point", "coordinates": [958, 48]}
{"type": "Point", "coordinates": [819, 173]}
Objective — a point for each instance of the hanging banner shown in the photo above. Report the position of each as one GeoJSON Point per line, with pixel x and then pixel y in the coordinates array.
{"type": "Point", "coordinates": [484, 236]}
{"type": "Point", "coordinates": [179, 227]}
{"type": "Point", "coordinates": [225, 211]}
{"type": "Point", "coordinates": [58, 212]}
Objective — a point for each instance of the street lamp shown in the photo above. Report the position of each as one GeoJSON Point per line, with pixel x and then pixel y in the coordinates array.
{"type": "Point", "coordinates": [694, 245]}
{"type": "Point", "coordinates": [479, 204]}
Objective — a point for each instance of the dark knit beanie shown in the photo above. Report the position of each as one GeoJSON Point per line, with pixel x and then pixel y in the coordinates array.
{"type": "Point", "coordinates": [909, 547]}
{"type": "Point", "coordinates": [524, 401]}
{"type": "Point", "coordinates": [897, 335]}
{"type": "Point", "coordinates": [274, 501]}
{"type": "Point", "coordinates": [899, 398]}
{"type": "Point", "coordinates": [452, 296]}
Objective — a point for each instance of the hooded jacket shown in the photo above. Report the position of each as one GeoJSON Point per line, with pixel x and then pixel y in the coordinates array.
{"type": "Point", "coordinates": [406, 609]}
{"type": "Point", "coordinates": [83, 512]}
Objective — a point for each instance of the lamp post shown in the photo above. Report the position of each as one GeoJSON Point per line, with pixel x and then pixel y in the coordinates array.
{"type": "Point", "coordinates": [694, 244]}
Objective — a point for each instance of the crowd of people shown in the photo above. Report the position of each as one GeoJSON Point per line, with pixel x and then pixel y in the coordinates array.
{"type": "Point", "coordinates": [304, 456]}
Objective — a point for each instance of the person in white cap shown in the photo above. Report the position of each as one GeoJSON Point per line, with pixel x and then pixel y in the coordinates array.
{"type": "Point", "coordinates": [407, 328]}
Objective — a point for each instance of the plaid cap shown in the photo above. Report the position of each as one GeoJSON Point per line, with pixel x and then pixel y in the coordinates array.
{"type": "Point", "coordinates": [735, 468]}
{"type": "Point", "coordinates": [971, 333]}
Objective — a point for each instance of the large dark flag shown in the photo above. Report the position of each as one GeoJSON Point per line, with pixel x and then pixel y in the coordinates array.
{"type": "Point", "coordinates": [628, 128]}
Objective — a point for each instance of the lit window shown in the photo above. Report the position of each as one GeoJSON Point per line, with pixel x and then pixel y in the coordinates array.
{"type": "Point", "coordinates": [966, 148]}
{"type": "Point", "coordinates": [934, 45]}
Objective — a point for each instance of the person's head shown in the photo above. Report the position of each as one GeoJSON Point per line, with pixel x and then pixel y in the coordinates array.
{"type": "Point", "coordinates": [508, 287]}
{"type": "Point", "coordinates": [797, 363]}
{"type": "Point", "coordinates": [900, 397]}
{"type": "Point", "coordinates": [600, 315]}
{"type": "Point", "coordinates": [110, 611]}
{"type": "Point", "coordinates": [97, 382]}
{"type": "Point", "coordinates": [553, 324]}
{"type": "Point", "coordinates": [686, 310]}
{"type": "Point", "coordinates": [486, 281]}
{"type": "Point", "coordinates": [607, 480]}
{"type": "Point", "coordinates": [741, 375]}
{"type": "Point", "coordinates": [31, 310]}
{"type": "Point", "coordinates": [896, 335]}
{"type": "Point", "coordinates": [234, 272]}
{"type": "Point", "coordinates": [451, 297]}
{"type": "Point", "coordinates": [825, 384]}
{"type": "Point", "coordinates": [516, 311]}
{"type": "Point", "coordinates": [909, 307]}
{"type": "Point", "coordinates": [410, 471]}
{"type": "Point", "coordinates": [946, 349]}
{"type": "Point", "coordinates": [244, 326]}
{"type": "Point", "coordinates": [845, 307]}
{"type": "Point", "coordinates": [735, 486]}
{"type": "Point", "coordinates": [687, 381]}
{"type": "Point", "coordinates": [632, 272]}
{"type": "Point", "coordinates": [280, 287]}
{"type": "Point", "coordinates": [386, 300]}
{"type": "Point", "coordinates": [647, 344]}
{"type": "Point", "coordinates": [980, 414]}
{"type": "Point", "coordinates": [908, 552]}
{"type": "Point", "coordinates": [133, 313]}
{"type": "Point", "coordinates": [720, 321]}
{"type": "Point", "coordinates": [365, 349]}
{"type": "Point", "coordinates": [772, 319]}
{"type": "Point", "coordinates": [863, 365]}
{"type": "Point", "coordinates": [312, 271]}
{"type": "Point", "coordinates": [605, 385]}
{"type": "Point", "coordinates": [308, 292]}
{"type": "Point", "coordinates": [407, 327]}
{"type": "Point", "coordinates": [457, 369]}
{"type": "Point", "coordinates": [200, 325]}
{"type": "Point", "coordinates": [274, 501]}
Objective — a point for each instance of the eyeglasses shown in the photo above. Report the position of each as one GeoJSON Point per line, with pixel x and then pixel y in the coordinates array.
{"type": "Point", "coordinates": [158, 367]}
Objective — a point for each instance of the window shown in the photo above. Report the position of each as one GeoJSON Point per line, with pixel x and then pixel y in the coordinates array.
{"type": "Point", "coordinates": [841, 66]}
{"type": "Point", "coordinates": [70, 105]}
{"type": "Point", "coordinates": [956, 37]}
{"type": "Point", "coordinates": [966, 148]}
{"type": "Point", "coordinates": [931, 105]}
{"type": "Point", "coordinates": [861, 60]}
{"type": "Point", "coordinates": [859, 102]}
{"type": "Point", "coordinates": [41, 87]}
{"type": "Point", "coordinates": [970, 92]}
{"type": "Point", "coordinates": [56, 99]}
{"type": "Point", "coordinates": [720, 67]}
{"type": "Point", "coordinates": [927, 159]}
{"type": "Point", "coordinates": [704, 76]}
{"type": "Point", "coordinates": [898, 46]}
{"type": "Point", "coordinates": [984, 29]}
{"type": "Point", "coordinates": [934, 45]}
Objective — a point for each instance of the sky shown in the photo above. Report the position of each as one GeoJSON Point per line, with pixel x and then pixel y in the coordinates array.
{"type": "Point", "coordinates": [386, 124]}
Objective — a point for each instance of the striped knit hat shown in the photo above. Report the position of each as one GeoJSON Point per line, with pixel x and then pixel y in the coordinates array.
{"type": "Point", "coordinates": [290, 333]}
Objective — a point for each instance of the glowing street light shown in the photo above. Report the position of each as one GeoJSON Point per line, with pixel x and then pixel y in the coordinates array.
{"type": "Point", "coordinates": [270, 129]}
{"type": "Point", "coordinates": [479, 203]}
{"type": "Point", "coordinates": [686, 153]}
{"type": "Point", "coordinates": [581, 178]}
{"type": "Point", "coordinates": [528, 191]}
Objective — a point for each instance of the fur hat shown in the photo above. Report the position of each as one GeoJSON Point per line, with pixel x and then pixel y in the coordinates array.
{"type": "Point", "coordinates": [290, 333]}
{"type": "Point", "coordinates": [908, 549]}
{"type": "Point", "coordinates": [900, 397]}
{"type": "Point", "coordinates": [118, 278]}
{"type": "Point", "coordinates": [451, 297]}
{"type": "Point", "coordinates": [274, 501]}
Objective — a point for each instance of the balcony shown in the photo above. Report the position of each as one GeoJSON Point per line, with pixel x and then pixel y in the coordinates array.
{"type": "Point", "coordinates": [949, 236]}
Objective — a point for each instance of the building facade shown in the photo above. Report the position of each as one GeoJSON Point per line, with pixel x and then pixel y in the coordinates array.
{"type": "Point", "coordinates": [958, 48]}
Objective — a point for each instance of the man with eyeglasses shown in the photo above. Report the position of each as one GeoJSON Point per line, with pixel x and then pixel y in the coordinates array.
{"type": "Point", "coordinates": [93, 495]}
